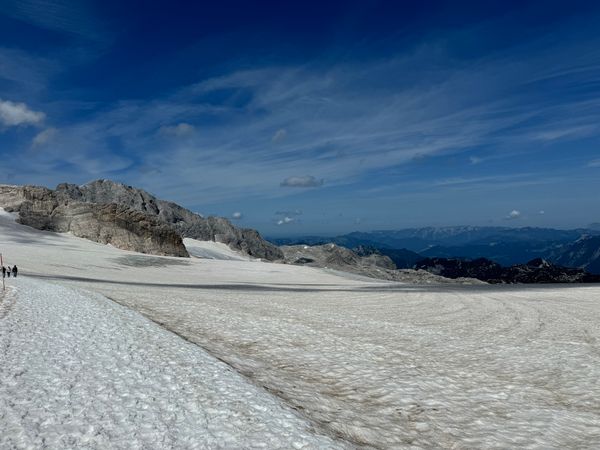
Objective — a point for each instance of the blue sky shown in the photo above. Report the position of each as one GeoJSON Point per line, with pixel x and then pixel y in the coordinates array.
{"type": "Point", "coordinates": [312, 117]}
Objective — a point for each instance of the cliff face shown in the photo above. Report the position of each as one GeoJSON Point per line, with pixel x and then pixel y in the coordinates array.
{"type": "Point", "coordinates": [136, 220]}
{"type": "Point", "coordinates": [107, 223]}
{"type": "Point", "coordinates": [187, 223]}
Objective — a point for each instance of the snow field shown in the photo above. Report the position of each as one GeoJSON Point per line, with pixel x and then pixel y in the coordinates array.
{"type": "Point", "coordinates": [376, 364]}
{"type": "Point", "coordinates": [79, 371]}
{"type": "Point", "coordinates": [463, 368]}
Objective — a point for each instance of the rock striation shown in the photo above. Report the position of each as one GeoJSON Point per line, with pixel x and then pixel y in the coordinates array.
{"type": "Point", "coordinates": [107, 223]}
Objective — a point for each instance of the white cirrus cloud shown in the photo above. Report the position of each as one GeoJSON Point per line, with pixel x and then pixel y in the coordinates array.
{"type": "Point", "coordinates": [594, 163]}
{"type": "Point", "coordinates": [302, 182]}
{"type": "Point", "coordinates": [279, 136]}
{"type": "Point", "coordinates": [180, 130]}
{"type": "Point", "coordinates": [43, 137]}
{"type": "Point", "coordinates": [14, 114]}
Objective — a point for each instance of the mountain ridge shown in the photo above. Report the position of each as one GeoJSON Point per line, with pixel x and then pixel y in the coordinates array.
{"type": "Point", "coordinates": [126, 217]}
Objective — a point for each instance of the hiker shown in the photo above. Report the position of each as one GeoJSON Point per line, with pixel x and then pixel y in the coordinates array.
{"type": "Point", "coordinates": [14, 271]}
{"type": "Point", "coordinates": [8, 272]}
{"type": "Point", "coordinates": [3, 272]}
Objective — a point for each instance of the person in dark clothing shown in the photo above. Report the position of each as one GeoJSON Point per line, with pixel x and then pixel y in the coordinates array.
{"type": "Point", "coordinates": [3, 272]}
{"type": "Point", "coordinates": [14, 271]}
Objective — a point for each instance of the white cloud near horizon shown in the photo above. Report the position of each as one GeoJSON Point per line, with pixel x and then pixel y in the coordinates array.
{"type": "Point", "coordinates": [286, 220]}
{"type": "Point", "coordinates": [514, 214]}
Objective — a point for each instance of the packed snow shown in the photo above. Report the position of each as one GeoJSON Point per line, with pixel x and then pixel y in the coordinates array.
{"type": "Point", "coordinates": [77, 370]}
{"type": "Point", "coordinates": [374, 364]}
{"type": "Point", "coordinates": [212, 250]}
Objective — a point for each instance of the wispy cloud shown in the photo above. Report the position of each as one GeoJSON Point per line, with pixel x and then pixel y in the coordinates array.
{"type": "Point", "coordinates": [43, 137]}
{"type": "Point", "coordinates": [302, 182]}
{"type": "Point", "coordinates": [180, 130]}
{"type": "Point", "coordinates": [594, 163]}
{"type": "Point", "coordinates": [64, 16]}
{"type": "Point", "coordinates": [237, 215]}
{"type": "Point", "coordinates": [564, 133]}
{"type": "Point", "coordinates": [279, 136]}
{"type": "Point", "coordinates": [349, 121]}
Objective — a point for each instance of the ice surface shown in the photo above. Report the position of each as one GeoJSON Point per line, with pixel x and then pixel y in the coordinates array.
{"type": "Point", "coordinates": [376, 364]}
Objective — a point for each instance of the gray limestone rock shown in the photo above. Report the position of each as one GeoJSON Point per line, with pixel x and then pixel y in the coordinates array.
{"type": "Point", "coordinates": [187, 223]}
{"type": "Point", "coordinates": [332, 256]}
{"type": "Point", "coordinates": [107, 223]}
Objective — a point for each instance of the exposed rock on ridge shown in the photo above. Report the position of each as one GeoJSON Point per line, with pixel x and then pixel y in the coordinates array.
{"type": "Point", "coordinates": [332, 256]}
{"type": "Point", "coordinates": [187, 223]}
{"type": "Point", "coordinates": [107, 223]}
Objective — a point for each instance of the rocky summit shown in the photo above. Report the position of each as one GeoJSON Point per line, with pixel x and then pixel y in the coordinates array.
{"type": "Point", "coordinates": [126, 217]}
{"type": "Point", "coordinates": [187, 223]}
{"type": "Point", "coordinates": [107, 223]}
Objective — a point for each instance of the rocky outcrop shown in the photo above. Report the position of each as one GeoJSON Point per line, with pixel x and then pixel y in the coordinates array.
{"type": "Point", "coordinates": [373, 265]}
{"type": "Point", "coordinates": [535, 271]}
{"type": "Point", "coordinates": [187, 223]}
{"type": "Point", "coordinates": [107, 223]}
{"type": "Point", "coordinates": [334, 257]}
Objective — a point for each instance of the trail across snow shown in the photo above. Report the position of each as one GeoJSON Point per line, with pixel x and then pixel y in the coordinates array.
{"type": "Point", "coordinates": [79, 371]}
{"type": "Point", "coordinates": [375, 364]}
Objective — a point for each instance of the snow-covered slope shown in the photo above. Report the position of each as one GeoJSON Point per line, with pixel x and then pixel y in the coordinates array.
{"type": "Point", "coordinates": [375, 364]}
{"type": "Point", "coordinates": [79, 371]}
{"type": "Point", "coordinates": [212, 250]}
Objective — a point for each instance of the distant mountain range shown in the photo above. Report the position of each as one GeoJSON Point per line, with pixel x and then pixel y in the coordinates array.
{"type": "Point", "coordinates": [535, 271]}
{"type": "Point", "coordinates": [578, 248]}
